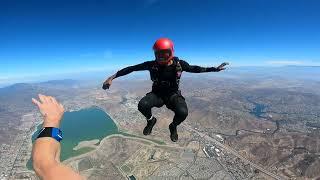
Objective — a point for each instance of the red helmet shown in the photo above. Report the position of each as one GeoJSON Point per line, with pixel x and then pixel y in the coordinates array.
{"type": "Point", "coordinates": [163, 50]}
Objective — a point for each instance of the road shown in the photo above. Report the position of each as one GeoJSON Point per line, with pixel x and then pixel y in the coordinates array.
{"type": "Point", "coordinates": [228, 149]}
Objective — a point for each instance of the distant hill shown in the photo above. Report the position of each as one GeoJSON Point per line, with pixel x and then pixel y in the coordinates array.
{"type": "Point", "coordinates": [28, 86]}
{"type": "Point", "coordinates": [66, 83]}
{"type": "Point", "coordinates": [60, 82]}
{"type": "Point", "coordinates": [288, 72]}
{"type": "Point", "coordinates": [15, 88]}
{"type": "Point", "coordinates": [17, 97]}
{"type": "Point", "coordinates": [15, 100]}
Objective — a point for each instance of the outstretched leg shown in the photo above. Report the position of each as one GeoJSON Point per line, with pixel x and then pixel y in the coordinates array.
{"type": "Point", "coordinates": [145, 105]}
{"type": "Point", "coordinates": [178, 105]}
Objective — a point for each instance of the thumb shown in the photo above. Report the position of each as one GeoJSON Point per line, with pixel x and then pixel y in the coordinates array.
{"type": "Point", "coordinates": [36, 102]}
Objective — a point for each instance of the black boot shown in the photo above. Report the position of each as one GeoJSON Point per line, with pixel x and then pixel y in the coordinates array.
{"type": "Point", "coordinates": [173, 133]}
{"type": "Point", "coordinates": [150, 123]}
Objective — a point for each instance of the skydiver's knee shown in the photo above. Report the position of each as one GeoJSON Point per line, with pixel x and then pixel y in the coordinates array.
{"type": "Point", "coordinates": [182, 112]}
{"type": "Point", "coordinates": [143, 105]}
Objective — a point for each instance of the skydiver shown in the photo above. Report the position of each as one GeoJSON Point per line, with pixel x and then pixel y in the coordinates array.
{"type": "Point", "coordinates": [165, 72]}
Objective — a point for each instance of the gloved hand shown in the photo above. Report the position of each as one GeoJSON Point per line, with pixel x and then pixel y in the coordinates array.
{"type": "Point", "coordinates": [222, 66]}
{"type": "Point", "coordinates": [107, 84]}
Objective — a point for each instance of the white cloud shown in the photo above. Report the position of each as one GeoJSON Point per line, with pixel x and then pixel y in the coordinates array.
{"type": "Point", "coordinates": [285, 62]}
{"type": "Point", "coordinates": [3, 78]}
{"type": "Point", "coordinates": [293, 62]}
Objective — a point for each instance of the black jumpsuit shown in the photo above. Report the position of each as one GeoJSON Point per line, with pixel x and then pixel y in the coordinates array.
{"type": "Point", "coordinates": [165, 90]}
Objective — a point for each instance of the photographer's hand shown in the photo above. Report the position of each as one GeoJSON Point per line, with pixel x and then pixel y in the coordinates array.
{"type": "Point", "coordinates": [46, 150]}
{"type": "Point", "coordinates": [51, 110]}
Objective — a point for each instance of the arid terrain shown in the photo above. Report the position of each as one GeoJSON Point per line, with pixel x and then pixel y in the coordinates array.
{"type": "Point", "coordinates": [240, 126]}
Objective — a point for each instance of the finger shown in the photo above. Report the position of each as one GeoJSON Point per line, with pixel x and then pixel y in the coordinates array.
{"type": "Point", "coordinates": [55, 100]}
{"type": "Point", "coordinates": [61, 106]}
{"type": "Point", "coordinates": [43, 98]}
{"type": "Point", "coordinates": [52, 99]}
{"type": "Point", "coordinates": [225, 64]}
{"type": "Point", "coordinates": [48, 99]}
{"type": "Point", "coordinates": [36, 102]}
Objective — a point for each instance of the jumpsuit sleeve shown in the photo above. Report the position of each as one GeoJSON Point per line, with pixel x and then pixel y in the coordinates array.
{"type": "Point", "coordinates": [196, 69]}
{"type": "Point", "coordinates": [130, 69]}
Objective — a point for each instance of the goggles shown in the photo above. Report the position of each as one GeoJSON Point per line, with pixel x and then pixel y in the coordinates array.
{"type": "Point", "coordinates": [163, 55]}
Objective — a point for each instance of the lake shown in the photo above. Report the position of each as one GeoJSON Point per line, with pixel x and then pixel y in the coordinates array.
{"type": "Point", "coordinates": [82, 125]}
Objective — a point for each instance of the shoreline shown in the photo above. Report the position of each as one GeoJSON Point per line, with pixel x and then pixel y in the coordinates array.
{"type": "Point", "coordinates": [94, 143]}
{"type": "Point", "coordinates": [82, 144]}
{"type": "Point", "coordinates": [112, 118]}
{"type": "Point", "coordinates": [105, 139]}
{"type": "Point", "coordinates": [34, 129]}
{"type": "Point", "coordinates": [86, 144]}
{"type": "Point", "coordinates": [36, 124]}
{"type": "Point", "coordinates": [87, 153]}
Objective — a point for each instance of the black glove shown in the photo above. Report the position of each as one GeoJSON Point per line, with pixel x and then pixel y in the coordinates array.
{"type": "Point", "coordinates": [221, 66]}
{"type": "Point", "coordinates": [105, 86]}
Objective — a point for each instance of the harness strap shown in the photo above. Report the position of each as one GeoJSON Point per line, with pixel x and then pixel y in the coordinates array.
{"type": "Point", "coordinates": [155, 70]}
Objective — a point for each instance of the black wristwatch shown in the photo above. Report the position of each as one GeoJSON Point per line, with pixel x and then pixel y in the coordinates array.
{"type": "Point", "coordinates": [53, 132]}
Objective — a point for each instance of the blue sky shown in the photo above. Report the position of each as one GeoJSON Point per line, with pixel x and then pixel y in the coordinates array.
{"type": "Point", "coordinates": [48, 37]}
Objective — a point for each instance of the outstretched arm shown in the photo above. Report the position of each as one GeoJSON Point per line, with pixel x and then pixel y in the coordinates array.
{"type": "Point", "coordinates": [125, 71]}
{"type": "Point", "coordinates": [198, 69]}
{"type": "Point", "coordinates": [46, 150]}
{"type": "Point", "coordinates": [130, 69]}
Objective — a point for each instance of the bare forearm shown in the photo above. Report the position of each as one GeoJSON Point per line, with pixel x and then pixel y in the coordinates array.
{"type": "Point", "coordinates": [57, 158]}
{"type": "Point", "coordinates": [44, 155]}
{"type": "Point", "coordinates": [46, 149]}
{"type": "Point", "coordinates": [46, 161]}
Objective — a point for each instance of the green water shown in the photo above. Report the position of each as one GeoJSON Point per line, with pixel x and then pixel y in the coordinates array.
{"type": "Point", "coordinates": [82, 125]}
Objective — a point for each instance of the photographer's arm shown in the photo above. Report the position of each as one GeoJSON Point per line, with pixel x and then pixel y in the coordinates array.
{"type": "Point", "coordinates": [46, 150]}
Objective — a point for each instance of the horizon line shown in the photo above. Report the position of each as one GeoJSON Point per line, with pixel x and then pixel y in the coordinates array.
{"type": "Point", "coordinates": [5, 82]}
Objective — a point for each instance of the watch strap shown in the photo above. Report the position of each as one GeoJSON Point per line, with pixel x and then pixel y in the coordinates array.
{"type": "Point", "coordinates": [51, 132]}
